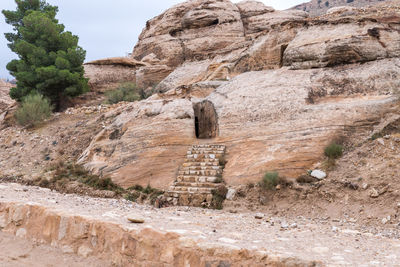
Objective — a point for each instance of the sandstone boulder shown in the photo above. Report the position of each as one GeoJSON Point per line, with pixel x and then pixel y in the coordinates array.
{"type": "Point", "coordinates": [266, 21]}
{"type": "Point", "coordinates": [332, 44]}
{"type": "Point", "coordinates": [250, 8]}
{"type": "Point", "coordinates": [191, 30]}
{"type": "Point", "coordinates": [107, 73]}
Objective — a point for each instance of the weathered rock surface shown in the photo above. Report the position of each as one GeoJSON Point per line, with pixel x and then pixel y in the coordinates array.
{"type": "Point", "coordinates": [107, 73]}
{"type": "Point", "coordinates": [318, 7]}
{"type": "Point", "coordinates": [331, 44]}
{"type": "Point", "coordinates": [192, 30]}
{"type": "Point", "coordinates": [5, 99]}
{"type": "Point", "coordinates": [315, 78]}
{"type": "Point", "coordinates": [265, 119]}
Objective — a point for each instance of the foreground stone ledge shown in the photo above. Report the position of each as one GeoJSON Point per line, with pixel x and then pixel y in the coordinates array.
{"type": "Point", "coordinates": [138, 247]}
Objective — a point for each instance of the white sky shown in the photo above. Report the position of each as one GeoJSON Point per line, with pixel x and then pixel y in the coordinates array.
{"type": "Point", "coordinates": [105, 28]}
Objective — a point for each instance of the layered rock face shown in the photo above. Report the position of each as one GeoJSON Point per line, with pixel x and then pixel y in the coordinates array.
{"type": "Point", "coordinates": [5, 99]}
{"type": "Point", "coordinates": [291, 87]}
{"type": "Point", "coordinates": [318, 7]}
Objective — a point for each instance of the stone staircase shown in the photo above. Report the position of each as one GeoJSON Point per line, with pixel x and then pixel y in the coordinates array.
{"type": "Point", "coordinates": [198, 176]}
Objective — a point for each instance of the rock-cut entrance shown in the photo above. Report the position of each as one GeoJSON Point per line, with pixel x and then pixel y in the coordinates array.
{"type": "Point", "coordinates": [205, 120]}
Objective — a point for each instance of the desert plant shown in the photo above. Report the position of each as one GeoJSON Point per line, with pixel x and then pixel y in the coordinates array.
{"type": "Point", "coordinates": [219, 179]}
{"type": "Point", "coordinates": [33, 110]}
{"type": "Point", "coordinates": [222, 161]}
{"type": "Point", "coordinates": [218, 197]}
{"type": "Point", "coordinates": [334, 151]}
{"type": "Point", "coordinates": [270, 180]}
{"type": "Point", "coordinates": [125, 92]}
{"type": "Point", "coordinates": [64, 173]}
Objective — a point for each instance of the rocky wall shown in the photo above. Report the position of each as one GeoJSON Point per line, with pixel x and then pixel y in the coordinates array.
{"type": "Point", "coordinates": [124, 246]}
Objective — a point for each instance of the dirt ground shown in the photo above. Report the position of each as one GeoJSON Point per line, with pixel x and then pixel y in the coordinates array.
{"type": "Point", "coordinates": [326, 240]}
{"type": "Point", "coordinates": [17, 252]}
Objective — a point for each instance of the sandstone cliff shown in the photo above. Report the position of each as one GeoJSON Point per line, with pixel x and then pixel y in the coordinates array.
{"type": "Point", "coordinates": [283, 86]}
{"type": "Point", "coordinates": [319, 7]}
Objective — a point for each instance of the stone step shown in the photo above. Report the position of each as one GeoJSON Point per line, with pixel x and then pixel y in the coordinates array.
{"type": "Point", "coordinates": [217, 153]}
{"type": "Point", "coordinates": [191, 189]}
{"type": "Point", "coordinates": [188, 184]}
{"type": "Point", "coordinates": [201, 168]}
{"type": "Point", "coordinates": [208, 146]}
{"type": "Point", "coordinates": [200, 172]}
{"type": "Point", "coordinates": [202, 160]}
{"type": "Point", "coordinates": [196, 179]}
{"type": "Point", "coordinates": [176, 194]}
{"type": "Point", "coordinates": [198, 163]}
{"type": "Point", "coordinates": [201, 156]}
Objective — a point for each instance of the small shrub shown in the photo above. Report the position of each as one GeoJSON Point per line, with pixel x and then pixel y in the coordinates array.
{"type": "Point", "coordinates": [270, 180]}
{"type": "Point", "coordinates": [376, 136]}
{"type": "Point", "coordinates": [219, 179]}
{"type": "Point", "coordinates": [125, 92]}
{"type": "Point", "coordinates": [64, 173]}
{"type": "Point", "coordinates": [222, 161]}
{"type": "Point", "coordinates": [334, 151]}
{"type": "Point", "coordinates": [34, 109]}
{"type": "Point", "coordinates": [218, 197]}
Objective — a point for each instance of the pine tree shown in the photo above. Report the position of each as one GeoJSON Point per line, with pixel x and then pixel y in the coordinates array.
{"type": "Point", "coordinates": [50, 60]}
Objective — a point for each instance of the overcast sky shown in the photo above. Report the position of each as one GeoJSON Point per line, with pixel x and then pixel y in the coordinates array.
{"type": "Point", "coordinates": [105, 28]}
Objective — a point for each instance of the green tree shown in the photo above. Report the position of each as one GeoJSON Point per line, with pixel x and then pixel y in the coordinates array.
{"type": "Point", "coordinates": [50, 60]}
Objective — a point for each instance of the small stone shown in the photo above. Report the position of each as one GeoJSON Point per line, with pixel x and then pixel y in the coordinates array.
{"type": "Point", "coordinates": [293, 225]}
{"type": "Point", "coordinates": [365, 186]}
{"type": "Point", "coordinates": [387, 136]}
{"type": "Point", "coordinates": [135, 220]}
{"type": "Point", "coordinates": [334, 229]}
{"type": "Point", "coordinates": [373, 193]}
{"type": "Point", "coordinates": [21, 233]}
{"type": "Point", "coordinates": [259, 216]}
{"type": "Point", "coordinates": [284, 225]}
{"type": "Point", "coordinates": [384, 221]}
{"type": "Point", "coordinates": [381, 141]}
{"type": "Point", "coordinates": [320, 175]}
{"type": "Point", "coordinates": [231, 194]}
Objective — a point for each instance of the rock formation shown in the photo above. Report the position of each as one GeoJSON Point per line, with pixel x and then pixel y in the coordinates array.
{"type": "Point", "coordinates": [319, 7]}
{"type": "Point", "coordinates": [283, 86]}
{"type": "Point", "coordinates": [5, 99]}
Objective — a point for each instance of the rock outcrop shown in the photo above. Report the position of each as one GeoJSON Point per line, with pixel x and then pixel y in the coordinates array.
{"type": "Point", "coordinates": [283, 87]}
{"type": "Point", "coordinates": [318, 7]}
{"type": "Point", "coordinates": [5, 99]}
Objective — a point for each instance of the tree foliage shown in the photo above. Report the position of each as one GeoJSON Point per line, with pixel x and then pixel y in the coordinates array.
{"type": "Point", "coordinates": [50, 60]}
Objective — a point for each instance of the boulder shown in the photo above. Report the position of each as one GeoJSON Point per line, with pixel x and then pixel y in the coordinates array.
{"type": "Point", "coordinates": [150, 76]}
{"type": "Point", "coordinates": [251, 8]}
{"type": "Point", "coordinates": [326, 45]}
{"type": "Point", "coordinates": [265, 21]}
{"type": "Point", "coordinates": [191, 30]}
{"type": "Point", "coordinates": [320, 175]}
{"type": "Point", "coordinates": [105, 74]}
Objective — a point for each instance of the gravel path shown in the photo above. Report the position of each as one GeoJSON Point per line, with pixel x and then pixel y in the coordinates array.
{"type": "Point", "coordinates": [334, 242]}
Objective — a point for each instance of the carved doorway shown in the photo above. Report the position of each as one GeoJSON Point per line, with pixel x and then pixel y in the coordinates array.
{"type": "Point", "coordinates": [205, 120]}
